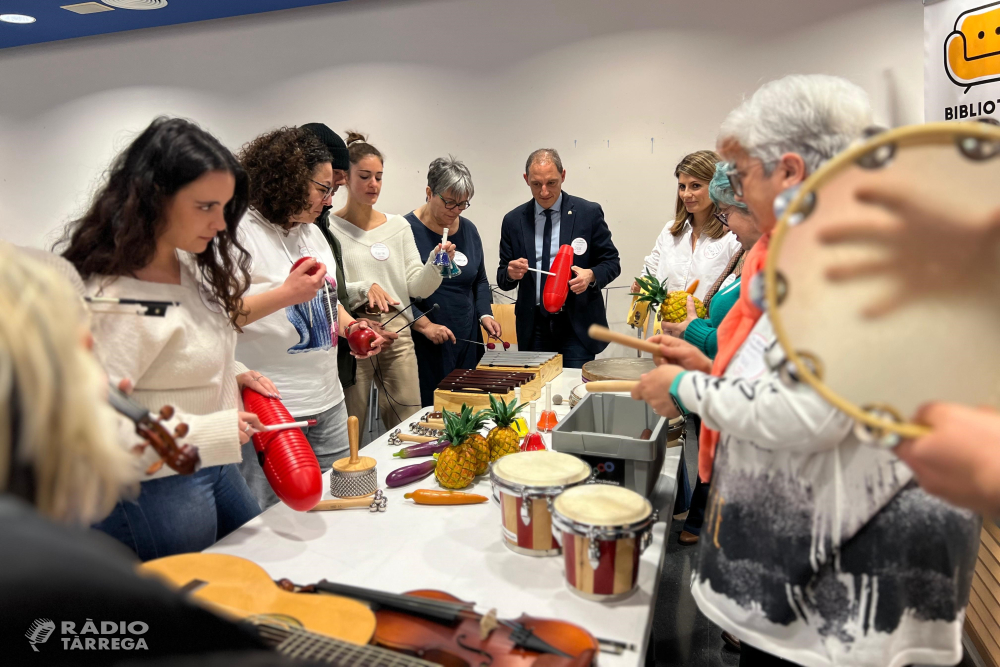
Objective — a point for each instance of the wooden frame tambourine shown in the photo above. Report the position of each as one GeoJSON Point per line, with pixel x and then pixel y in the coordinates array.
{"type": "Point", "coordinates": [938, 345]}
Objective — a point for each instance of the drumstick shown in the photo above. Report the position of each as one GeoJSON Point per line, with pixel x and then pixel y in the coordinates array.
{"type": "Point", "coordinates": [406, 437]}
{"type": "Point", "coordinates": [283, 427]}
{"type": "Point", "coordinates": [610, 386]}
{"type": "Point", "coordinates": [597, 332]}
{"type": "Point", "coordinates": [548, 273]}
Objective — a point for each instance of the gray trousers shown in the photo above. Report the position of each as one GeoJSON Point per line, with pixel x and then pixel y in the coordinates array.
{"type": "Point", "coordinates": [328, 439]}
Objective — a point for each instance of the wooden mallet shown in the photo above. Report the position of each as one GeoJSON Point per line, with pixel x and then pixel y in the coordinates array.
{"type": "Point", "coordinates": [597, 332]}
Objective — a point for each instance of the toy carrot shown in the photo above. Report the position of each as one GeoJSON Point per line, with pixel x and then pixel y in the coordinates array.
{"type": "Point", "coordinates": [430, 497]}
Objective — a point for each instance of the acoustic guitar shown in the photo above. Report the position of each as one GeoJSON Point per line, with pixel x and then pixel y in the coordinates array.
{"type": "Point", "coordinates": [240, 589]}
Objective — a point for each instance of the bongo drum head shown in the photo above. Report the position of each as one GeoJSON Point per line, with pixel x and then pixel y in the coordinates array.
{"type": "Point", "coordinates": [939, 344]}
{"type": "Point", "coordinates": [541, 469]}
{"type": "Point", "coordinates": [602, 505]}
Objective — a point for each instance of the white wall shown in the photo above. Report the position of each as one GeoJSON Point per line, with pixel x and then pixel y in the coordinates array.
{"type": "Point", "coordinates": [623, 89]}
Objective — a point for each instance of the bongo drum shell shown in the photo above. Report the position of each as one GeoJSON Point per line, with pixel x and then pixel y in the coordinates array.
{"type": "Point", "coordinates": [603, 529]}
{"type": "Point", "coordinates": [524, 485]}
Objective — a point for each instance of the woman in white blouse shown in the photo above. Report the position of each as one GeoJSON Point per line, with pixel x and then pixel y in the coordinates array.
{"type": "Point", "coordinates": [696, 245]}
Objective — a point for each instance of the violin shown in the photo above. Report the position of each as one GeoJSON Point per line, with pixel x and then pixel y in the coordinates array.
{"type": "Point", "coordinates": [443, 629]}
{"type": "Point", "coordinates": [155, 431]}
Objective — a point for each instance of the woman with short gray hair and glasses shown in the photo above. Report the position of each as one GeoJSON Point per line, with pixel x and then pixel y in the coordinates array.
{"type": "Point", "coordinates": [449, 337]}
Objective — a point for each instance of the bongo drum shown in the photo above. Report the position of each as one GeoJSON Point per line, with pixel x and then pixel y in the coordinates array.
{"type": "Point", "coordinates": [620, 368]}
{"type": "Point", "coordinates": [603, 529]}
{"type": "Point", "coordinates": [940, 343]}
{"type": "Point", "coordinates": [524, 484]}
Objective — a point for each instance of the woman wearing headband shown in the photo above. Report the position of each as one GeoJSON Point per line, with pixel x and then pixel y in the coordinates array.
{"type": "Point", "coordinates": [163, 227]}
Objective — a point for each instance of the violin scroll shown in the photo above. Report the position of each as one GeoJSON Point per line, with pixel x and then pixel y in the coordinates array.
{"type": "Point", "coordinates": [156, 432]}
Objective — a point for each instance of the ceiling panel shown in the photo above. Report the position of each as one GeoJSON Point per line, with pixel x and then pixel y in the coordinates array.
{"type": "Point", "coordinates": [68, 19]}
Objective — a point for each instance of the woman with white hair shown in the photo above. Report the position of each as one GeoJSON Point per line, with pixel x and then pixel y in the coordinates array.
{"type": "Point", "coordinates": [823, 549]}
{"type": "Point", "coordinates": [450, 337]}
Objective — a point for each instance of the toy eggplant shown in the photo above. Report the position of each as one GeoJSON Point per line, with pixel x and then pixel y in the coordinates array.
{"type": "Point", "coordinates": [557, 285]}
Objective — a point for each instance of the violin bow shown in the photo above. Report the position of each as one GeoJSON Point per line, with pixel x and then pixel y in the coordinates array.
{"type": "Point", "coordinates": [152, 308]}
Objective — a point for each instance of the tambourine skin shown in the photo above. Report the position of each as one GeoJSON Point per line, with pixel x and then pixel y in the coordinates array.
{"type": "Point", "coordinates": [879, 370]}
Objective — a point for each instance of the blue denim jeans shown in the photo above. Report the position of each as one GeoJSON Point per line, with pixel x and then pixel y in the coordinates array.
{"type": "Point", "coordinates": [182, 513]}
{"type": "Point", "coordinates": [328, 439]}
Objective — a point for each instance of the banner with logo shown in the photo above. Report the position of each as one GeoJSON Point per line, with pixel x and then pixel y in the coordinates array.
{"type": "Point", "coordinates": [961, 60]}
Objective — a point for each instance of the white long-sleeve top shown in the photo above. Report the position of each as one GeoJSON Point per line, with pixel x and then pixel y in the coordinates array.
{"type": "Point", "coordinates": [816, 547]}
{"type": "Point", "coordinates": [673, 258]}
{"type": "Point", "coordinates": [185, 359]}
{"type": "Point", "coordinates": [388, 256]}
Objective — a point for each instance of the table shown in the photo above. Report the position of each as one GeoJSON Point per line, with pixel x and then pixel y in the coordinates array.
{"type": "Point", "coordinates": [455, 549]}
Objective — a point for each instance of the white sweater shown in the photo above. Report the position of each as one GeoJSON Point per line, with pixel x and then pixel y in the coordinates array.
{"type": "Point", "coordinates": [185, 359]}
{"type": "Point", "coordinates": [816, 547]}
{"type": "Point", "coordinates": [403, 273]}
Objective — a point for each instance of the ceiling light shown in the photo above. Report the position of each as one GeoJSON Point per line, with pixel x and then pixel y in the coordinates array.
{"type": "Point", "coordinates": [88, 8]}
{"type": "Point", "coordinates": [137, 4]}
{"type": "Point", "coordinates": [17, 18]}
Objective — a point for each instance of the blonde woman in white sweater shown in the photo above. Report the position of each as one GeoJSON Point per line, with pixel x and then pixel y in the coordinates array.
{"type": "Point", "coordinates": [163, 228]}
{"type": "Point", "coordinates": [384, 270]}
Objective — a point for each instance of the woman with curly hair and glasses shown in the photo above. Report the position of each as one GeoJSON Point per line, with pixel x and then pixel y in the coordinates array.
{"type": "Point", "coordinates": [163, 228]}
{"type": "Point", "coordinates": [384, 268]}
{"type": "Point", "coordinates": [293, 317]}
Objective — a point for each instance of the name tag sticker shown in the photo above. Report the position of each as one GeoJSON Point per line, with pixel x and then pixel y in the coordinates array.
{"type": "Point", "coordinates": [712, 250]}
{"type": "Point", "coordinates": [380, 251]}
{"type": "Point", "coordinates": [730, 279]}
{"type": "Point", "coordinates": [579, 246]}
{"type": "Point", "coordinates": [461, 259]}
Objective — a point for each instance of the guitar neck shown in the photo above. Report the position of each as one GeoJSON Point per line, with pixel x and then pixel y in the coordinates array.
{"type": "Point", "coordinates": [304, 645]}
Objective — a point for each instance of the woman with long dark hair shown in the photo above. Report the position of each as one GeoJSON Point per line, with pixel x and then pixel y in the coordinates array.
{"type": "Point", "coordinates": [163, 228]}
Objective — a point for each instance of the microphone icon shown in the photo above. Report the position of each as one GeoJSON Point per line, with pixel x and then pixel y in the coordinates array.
{"type": "Point", "coordinates": [39, 632]}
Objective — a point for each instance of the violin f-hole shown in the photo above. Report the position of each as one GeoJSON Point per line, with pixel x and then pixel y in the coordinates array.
{"type": "Point", "coordinates": [485, 654]}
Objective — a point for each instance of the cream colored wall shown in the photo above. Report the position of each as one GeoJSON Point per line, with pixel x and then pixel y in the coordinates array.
{"type": "Point", "coordinates": [623, 89]}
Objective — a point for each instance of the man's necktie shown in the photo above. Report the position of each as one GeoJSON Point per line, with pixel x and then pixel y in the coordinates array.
{"type": "Point", "coordinates": [547, 241]}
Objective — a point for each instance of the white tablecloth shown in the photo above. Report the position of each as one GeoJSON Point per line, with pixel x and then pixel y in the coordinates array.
{"type": "Point", "coordinates": [454, 549]}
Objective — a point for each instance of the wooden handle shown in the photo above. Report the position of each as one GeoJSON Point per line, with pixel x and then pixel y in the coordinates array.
{"type": "Point", "coordinates": [353, 434]}
{"type": "Point", "coordinates": [406, 437]}
{"type": "Point", "coordinates": [597, 332]}
{"type": "Point", "coordinates": [437, 426]}
{"type": "Point", "coordinates": [610, 386]}
{"type": "Point", "coordinates": [338, 504]}
{"type": "Point", "coordinates": [646, 434]}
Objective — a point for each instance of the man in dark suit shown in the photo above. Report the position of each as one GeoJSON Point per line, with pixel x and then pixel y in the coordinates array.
{"type": "Point", "coordinates": [531, 236]}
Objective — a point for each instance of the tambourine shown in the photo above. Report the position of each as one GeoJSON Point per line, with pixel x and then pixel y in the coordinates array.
{"type": "Point", "coordinates": [937, 346]}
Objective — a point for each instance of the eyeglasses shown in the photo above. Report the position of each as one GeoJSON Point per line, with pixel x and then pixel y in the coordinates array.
{"type": "Point", "coordinates": [452, 205]}
{"type": "Point", "coordinates": [326, 189]}
{"type": "Point", "coordinates": [723, 218]}
{"type": "Point", "coordinates": [735, 182]}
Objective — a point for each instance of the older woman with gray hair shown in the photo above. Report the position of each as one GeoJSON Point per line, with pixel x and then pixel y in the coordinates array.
{"type": "Point", "coordinates": [822, 549]}
{"type": "Point", "coordinates": [449, 337]}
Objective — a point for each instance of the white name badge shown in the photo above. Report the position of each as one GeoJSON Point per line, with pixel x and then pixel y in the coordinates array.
{"type": "Point", "coordinates": [730, 279]}
{"type": "Point", "coordinates": [380, 251]}
{"type": "Point", "coordinates": [306, 251]}
{"type": "Point", "coordinates": [712, 250]}
{"type": "Point", "coordinates": [579, 246]}
{"type": "Point", "coordinates": [461, 259]}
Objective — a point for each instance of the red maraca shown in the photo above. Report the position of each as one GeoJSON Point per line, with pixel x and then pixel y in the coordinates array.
{"type": "Point", "coordinates": [310, 272]}
{"type": "Point", "coordinates": [361, 340]}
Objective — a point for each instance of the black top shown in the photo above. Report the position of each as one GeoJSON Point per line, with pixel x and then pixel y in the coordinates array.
{"type": "Point", "coordinates": [461, 300]}
{"type": "Point", "coordinates": [53, 573]}
{"type": "Point", "coordinates": [347, 365]}
{"type": "Point", "coordinates": [578, 219]}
